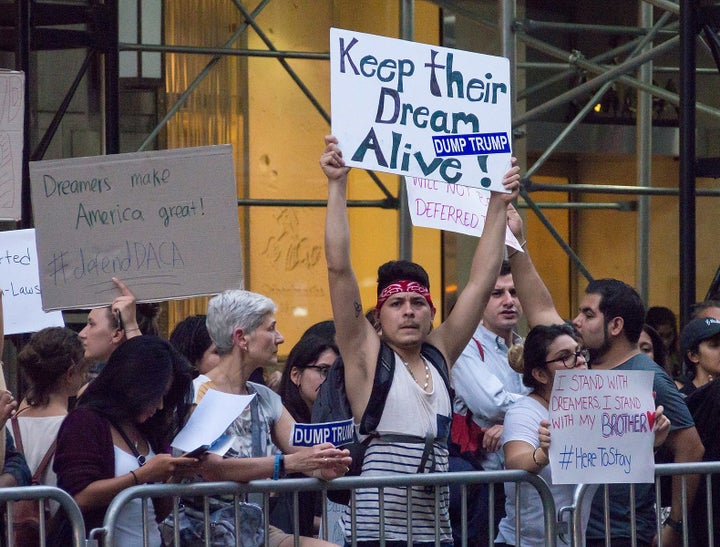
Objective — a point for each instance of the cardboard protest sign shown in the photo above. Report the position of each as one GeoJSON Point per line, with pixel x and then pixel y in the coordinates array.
{"type": "Point", "coordinates": [12, 120]}
{"type": "Point", "coordinates": [601, 422]}
{"type": "Point", "coordinates": [165, 223]}
{"type": "Point", "coordinates": [420, 110]}
{"type": "Point", "coordinates": [20, 286]}
{"type": "Point", "coordinates": [450, 207]}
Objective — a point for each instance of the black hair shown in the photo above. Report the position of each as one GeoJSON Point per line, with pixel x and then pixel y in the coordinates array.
{"type": "Point", "coordinates": [699, 307]}
{"type": "Point", "coordinates": [137, 375]}
{"type": "Point", "coordinates": [191, 338]}
{"type": "Point", "coordinates": [618, 299]}
{"type": "Point", "coordinates": [323, 329]}
{"type": "Point", "coordinates": [45, 359]}
{"type": "Point", "coordinates": [535, 349]}
{"type": "Point", "coordinates": [660, 315]}
{"type": "Point", "coordinates": [505, 268]}
{"type": "Point", "coordinates": [397, 270]}
{"type": "Point", "coordinates": [304, 353]}
{"type": "Point", "coordinates": [659, 351]}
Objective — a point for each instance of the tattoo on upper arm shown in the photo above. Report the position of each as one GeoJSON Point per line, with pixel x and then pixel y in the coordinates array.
{"type": "Point", "coordinates": [358, 309]}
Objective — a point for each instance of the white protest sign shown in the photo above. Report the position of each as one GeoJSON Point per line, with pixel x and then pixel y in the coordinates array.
{"type": "Point", "coordinates": [450, 207]}
{"type": "Point", "coordinates": [12, 120]}
{"type": "Point", "coordinates": [22, 307]}
{"type": "Point", "coordinates": [166, 223]}
{"type": "Point", "coordinates": [601, 422]}
{"type": "Point", "coordinates": [420, 110]}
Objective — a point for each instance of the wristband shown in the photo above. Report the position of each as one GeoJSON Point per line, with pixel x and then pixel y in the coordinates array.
{"type": "Point", "coordinates": [134, 477]}
{"type": "Point", "coordinates": [279, 467]}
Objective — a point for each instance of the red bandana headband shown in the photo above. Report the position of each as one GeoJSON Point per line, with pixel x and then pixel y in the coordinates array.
{"type": "Point", "coordinates": [404, 286]}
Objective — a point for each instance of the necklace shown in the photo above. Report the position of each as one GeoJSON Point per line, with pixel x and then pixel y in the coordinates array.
{"type": "Point", "coordinates": [427, 374]}
{"type": "Point", "coordinates": [131, 445]}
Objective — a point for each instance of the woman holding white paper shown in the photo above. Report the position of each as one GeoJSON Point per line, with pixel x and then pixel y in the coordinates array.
{"type": "Point", "coordinates": [242, 325]}
{"type": "Point", "coordinates": [119, 434]}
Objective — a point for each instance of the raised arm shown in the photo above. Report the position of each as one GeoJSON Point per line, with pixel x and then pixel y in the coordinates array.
{"type": "Point", "coordinates": [455, 332]}
{"type": "Point", "coordinates": [125, 308]}
{"type": "Point", "coordinates": [356, 338]}
{"type": "Point", "coordinates": [537, 303]}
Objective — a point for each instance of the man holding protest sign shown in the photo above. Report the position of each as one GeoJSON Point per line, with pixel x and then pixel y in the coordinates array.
{"type": "Point", "coordinates": [609, 325]}
{"type": "Point", "coordinates": [405, 313]}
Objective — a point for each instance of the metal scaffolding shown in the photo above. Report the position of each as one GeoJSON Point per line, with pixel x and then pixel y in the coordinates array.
{"type": "Point", "coordinates": [683, 26]}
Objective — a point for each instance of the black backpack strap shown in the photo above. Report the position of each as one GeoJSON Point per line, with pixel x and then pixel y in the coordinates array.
{"type": "Point", "coordinates": [384, 371]}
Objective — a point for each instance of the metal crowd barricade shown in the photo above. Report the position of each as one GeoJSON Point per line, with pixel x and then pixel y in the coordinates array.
{"type": "Point", "coordinates": [706, 470]}
{"type": "Point", "coordinates": [41, 494]}
{"type": "Point", "coordinates": [106, 534]}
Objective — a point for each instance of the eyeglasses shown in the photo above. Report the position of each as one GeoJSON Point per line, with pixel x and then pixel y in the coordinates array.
{"type": "Point", "coordinates": [570, 361]}
{"type": "Point", "coordinates": [322, 370]}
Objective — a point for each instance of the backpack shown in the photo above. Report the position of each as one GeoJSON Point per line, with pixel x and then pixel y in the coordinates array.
{"type": "Point", "coordinates": [332, 405]}
{"type": "Point", "coordinates": [26, 513]}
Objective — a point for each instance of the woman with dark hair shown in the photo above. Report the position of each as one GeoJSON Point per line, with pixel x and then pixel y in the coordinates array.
{"type": "Point", "coordinates": [664, 322]}
{"type": "Point", "coordinates": [119, 433]}
{"type": "Point", "coordinates": [53, 368]}
{"type": "Point", "coordinates": [700, 350]}
{"type": "Point", "coordinates": [305, 370]}
{"type": "Point", "coordinates": [191, 338]}
{"type": "Point", "coordinates": [652, 345]}
{"type": "Point", "coordinates": [526, 434]}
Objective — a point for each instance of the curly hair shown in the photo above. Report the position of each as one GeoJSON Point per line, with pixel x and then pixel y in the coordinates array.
{"type": "Point", "coordinates": [45, 359]}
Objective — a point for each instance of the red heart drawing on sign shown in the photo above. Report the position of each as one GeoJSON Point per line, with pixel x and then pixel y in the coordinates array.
{"type": "Point", "coordinates": [651, 419]}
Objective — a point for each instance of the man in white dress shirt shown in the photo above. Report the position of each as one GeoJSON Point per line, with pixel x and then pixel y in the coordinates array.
{"type": "Point", "coordinates": [485, 386]}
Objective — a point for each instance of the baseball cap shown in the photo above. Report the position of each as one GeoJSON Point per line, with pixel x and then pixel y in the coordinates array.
{"type": "Point", "coordinates": [696, 331]}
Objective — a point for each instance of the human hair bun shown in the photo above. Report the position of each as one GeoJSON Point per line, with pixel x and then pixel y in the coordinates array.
{"type": "Point", "coordinates": [515, 358]}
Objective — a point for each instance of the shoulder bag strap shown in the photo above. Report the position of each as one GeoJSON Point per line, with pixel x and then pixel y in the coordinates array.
{"type": "Point", "coordinates": [40, 471]}
{"type": "Point", "coordinates": [16, 434]}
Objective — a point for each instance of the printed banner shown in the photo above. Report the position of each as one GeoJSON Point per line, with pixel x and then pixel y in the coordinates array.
{"type": "Point", "coordinates": [338, 433]}
{"type": "Point", "coordinates": [420, 110]}
{"type": "Point", "coordinates": [601, 423]}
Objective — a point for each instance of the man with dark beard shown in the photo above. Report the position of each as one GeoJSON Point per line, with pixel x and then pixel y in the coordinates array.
{"type": "Point", "coordinates": [609, 325]}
